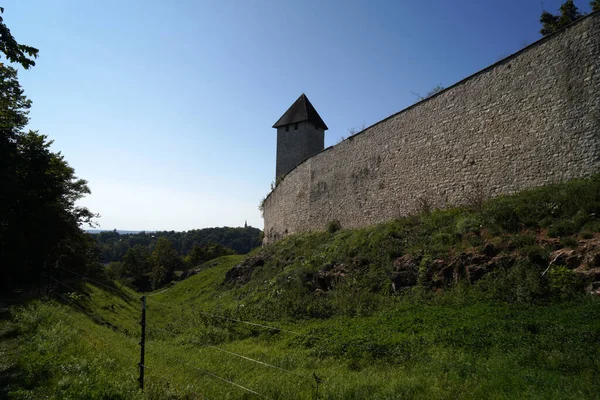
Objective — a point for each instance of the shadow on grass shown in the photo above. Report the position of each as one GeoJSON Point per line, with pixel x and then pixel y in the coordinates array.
{"type": "Point", "coordinates": [12, 376]}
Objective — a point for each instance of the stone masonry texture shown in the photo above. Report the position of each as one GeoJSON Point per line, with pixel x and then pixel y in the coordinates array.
{"type": "Point", "coordinates": [296, 145]}
{"type": "Point", "coordinates": [528, 120]}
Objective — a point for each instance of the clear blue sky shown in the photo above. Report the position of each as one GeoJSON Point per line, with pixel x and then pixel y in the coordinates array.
{"type": "Point", "coordinates": [166, 107]}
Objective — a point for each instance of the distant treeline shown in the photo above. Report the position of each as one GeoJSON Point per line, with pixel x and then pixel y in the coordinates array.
{"type": "Point", "coordinates": [113, 245]}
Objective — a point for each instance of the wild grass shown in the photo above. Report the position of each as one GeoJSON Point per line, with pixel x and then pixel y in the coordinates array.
{"type": "Point", "coordinates": [429, 349]}
{"type": "Point", "coordinates": [516, 333]}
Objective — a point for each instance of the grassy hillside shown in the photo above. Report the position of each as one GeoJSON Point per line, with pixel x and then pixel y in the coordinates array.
{"type": "Point", "coordinates": [484, 301]}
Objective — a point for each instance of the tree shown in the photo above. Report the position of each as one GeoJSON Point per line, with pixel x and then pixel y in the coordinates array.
{"type": "Point", "coordinates": [569, 13]}
{"type": "Point", "coordinates": [13, 51]}
{"type": "Point", "coordinates": [165, 261]}
{"type": "Point", "coordinates": [39, 219]}
{"type": "Point", "coordinates": [136, 262]}
{"type": "Point", "coordinates": [196, 256]}
{"type": "Point", "coordinates": [595, 5]}
{"type": "Point", "coordinates": [14, 106]}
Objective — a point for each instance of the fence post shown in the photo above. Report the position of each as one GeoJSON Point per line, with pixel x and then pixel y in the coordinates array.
{"type": "Point", "coordinates": [317, 382]}
{"type": "Point", "coordinates": [142, 343]}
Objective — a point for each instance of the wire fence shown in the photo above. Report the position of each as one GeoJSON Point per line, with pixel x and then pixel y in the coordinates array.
{"type": "Point", "coordinates": [327, 341]}
{"type": "Point", "coordinates": [313, 380]}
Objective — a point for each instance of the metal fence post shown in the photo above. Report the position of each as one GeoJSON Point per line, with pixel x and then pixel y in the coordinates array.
{"type": "Point", "coordinates": [317, 382]}
{"type": "Point", "coordinates": [142, 343]}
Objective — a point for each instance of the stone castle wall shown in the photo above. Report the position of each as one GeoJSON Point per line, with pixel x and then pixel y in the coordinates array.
{"type": "Point", "coordinates": [531, 119]}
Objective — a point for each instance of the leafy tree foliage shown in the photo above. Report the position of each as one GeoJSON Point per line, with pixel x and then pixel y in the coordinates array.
{"type": "Point", "coordinates": [595, 5]}
{"type": "Point", "coordinates": [14, 106]}
{"type": "Point", "coordinates": [199, 255]}
{"type": "Point", "coordinates": [13, 51]}
{"type": "Point", "coordinates": [148, 260]}
{"type": "Point", "coordinates": [569, 13]}
{"type": "Point", "coordinates": [39, 218]}
{"type": "Point", "coordinates": [136, 262]}
{"type": "Point", "coordinates": [165, 261]}
{"type": "Point", "coordinates": [114, 245]}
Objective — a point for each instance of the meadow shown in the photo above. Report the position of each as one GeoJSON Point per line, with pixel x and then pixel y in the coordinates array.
{"type": "Point", "coordinates": [315, 316]}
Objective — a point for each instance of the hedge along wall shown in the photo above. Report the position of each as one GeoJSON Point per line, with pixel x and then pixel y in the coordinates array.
{"type": "Point", "coordinates": [528, 120]}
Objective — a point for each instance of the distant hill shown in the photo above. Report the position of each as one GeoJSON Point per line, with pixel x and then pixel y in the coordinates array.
{"type": "Point", "coordinates": [114, 244]}
{"type": "Point", "coordinates": [95, 231]}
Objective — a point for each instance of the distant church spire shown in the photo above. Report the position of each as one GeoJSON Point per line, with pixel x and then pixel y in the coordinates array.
{"type": "Point", "coordinates": [245, 224]}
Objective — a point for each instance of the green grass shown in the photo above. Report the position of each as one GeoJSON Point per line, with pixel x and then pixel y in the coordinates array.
{"type": "Point", "coordinates": [516, 333]}
{"type": "Point", "coordinates": [423, 350]}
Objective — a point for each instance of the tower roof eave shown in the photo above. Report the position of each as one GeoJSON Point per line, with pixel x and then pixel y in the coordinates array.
{"type": "Point", "coordinates": [302, 110]}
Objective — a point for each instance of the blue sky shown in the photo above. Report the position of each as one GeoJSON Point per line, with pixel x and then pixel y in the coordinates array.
{"type": "Point", "coordinates": [166, 107]}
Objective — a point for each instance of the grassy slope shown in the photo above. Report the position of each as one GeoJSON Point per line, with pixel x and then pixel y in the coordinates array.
{"type": "Point", "coordinates": [422, 350]}
{"type": "Point", "coordinates": [511, 335]}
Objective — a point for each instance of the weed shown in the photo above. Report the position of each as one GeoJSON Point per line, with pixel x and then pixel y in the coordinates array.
{"type": "Point", "coordinates": [334, 226]}
{"type": "Point", "coordinates": [564, 283]}
{"type": "Point", "coordinates": [569, 241]}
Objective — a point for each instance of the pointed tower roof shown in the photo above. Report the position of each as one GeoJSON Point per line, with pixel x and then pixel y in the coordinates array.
{"type": "Point", "coordinates": [301, 111]}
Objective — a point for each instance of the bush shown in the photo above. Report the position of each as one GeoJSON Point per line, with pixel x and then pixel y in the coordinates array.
{"type": "Point", "coordinates": [468, 224]}
{"type": "Point", "coordinates": [114, 271]}
{"type": "Point", "coordinates": [522, 283]}
{"type": "Point", "coordinates": [521, 240]}
{"type": "Point", "coordinates": [501, 212]}
{"type": "Point", "coordinates": [564, 283]}
{"type": "Point", "coordinates": [563, 228]}
{"type": "Point", "coordinates": [569, 241]}
{"type": "Point", "coordinates": [334, 226]}
{"type": "Point", "coordinates": [535, 254]}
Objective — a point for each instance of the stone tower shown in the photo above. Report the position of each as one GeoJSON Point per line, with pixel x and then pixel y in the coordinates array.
{"type": "Point", "coordinates": [300, 135]}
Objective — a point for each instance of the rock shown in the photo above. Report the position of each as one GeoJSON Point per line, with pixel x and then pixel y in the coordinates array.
{"type": "Point", "coordinates": [445, 275]}
{"type": "Point", "coordinates": [403, 279]}
{"type": "Point", "coordinates": [405, 273]}
{"type": "Point", "coordinates": [502, 261]}
{"type": "Point", "coordinates": [590, 275]}
{"type": "Point", "coordinates": [476, 272]}
{"type": "Point", "coordinates": [254, 261]}
{"type": "Point", "coordinates": [593, 289]}
{"type": "Point", "coordinates": [242, 273]}
{"type": "Point", "coordinates": [406, 262]}
{"type": "Point", "coordinates": [184, 275]}
{"type": "Point", "coordinates": [592, 260]}
{"type": "Point", "coordinates": [551, 243]}
{"type": "Point", "coordinates": [566, 257]}
{"type": "Point", "coordinates": [490, 250]}
{"type": "Point", "coordinates": [326, 278]}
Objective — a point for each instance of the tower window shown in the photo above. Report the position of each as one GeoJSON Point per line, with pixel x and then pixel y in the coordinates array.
{"type": "Point", "coordinates": [295, 127]}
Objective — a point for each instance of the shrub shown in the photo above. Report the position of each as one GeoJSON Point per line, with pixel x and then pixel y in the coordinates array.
{"type": "Point", "coordinates": [422, 274]}
{"type": "Point", "coordinates": [522, 283]}
{"type": "Point", "coordinates": [334, 226]}
{"type": "Point", "coordinates": [563, 228]}
{"type": "Point", "coordinates": [114, 270]}
{"type": "Point", "coordinates": [569, 241]}
{"type": "Point", "coordinates": [564, 283]}
{"type": "Point", "coordinates": [535, 254]}
{"type": "Point", "coordinates": [501, 212]}
{"type": "Point", "coordinates": [522, 240]}
{"type": "Point", "coordinates": [468, 224]}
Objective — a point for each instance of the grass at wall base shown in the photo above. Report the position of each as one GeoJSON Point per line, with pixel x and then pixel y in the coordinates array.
{"type": "Point", "coordinates": [489, 301]}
